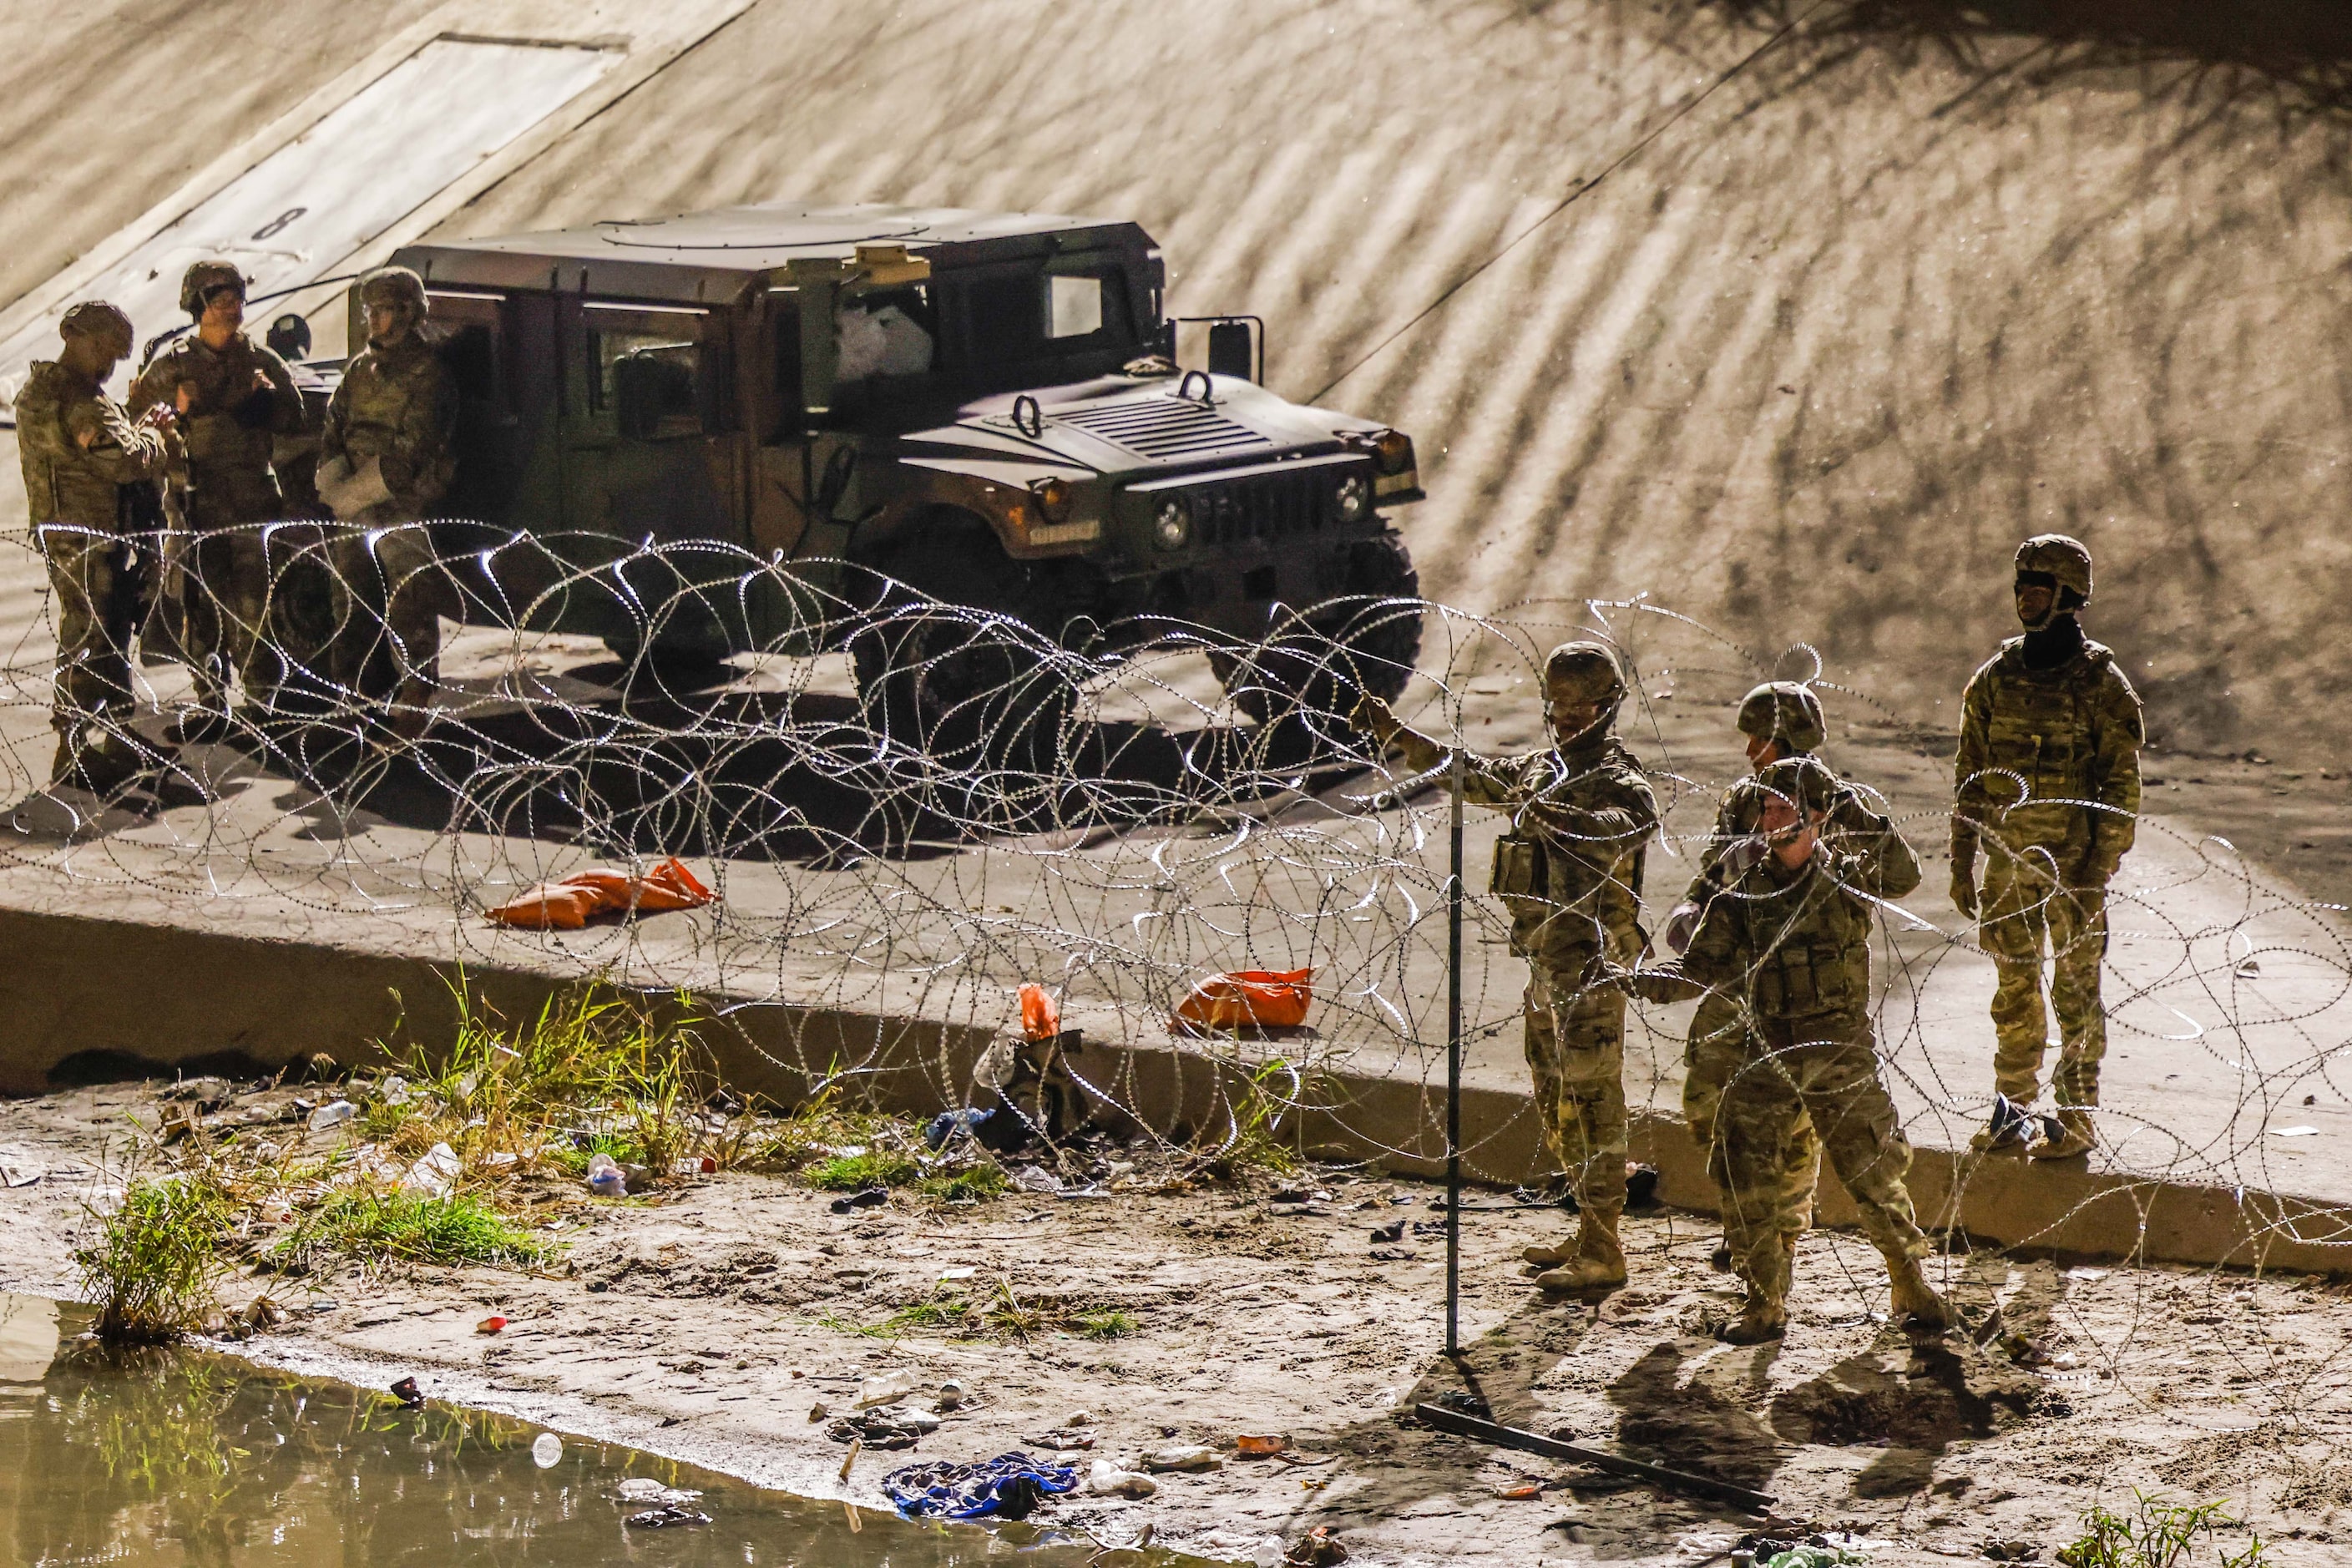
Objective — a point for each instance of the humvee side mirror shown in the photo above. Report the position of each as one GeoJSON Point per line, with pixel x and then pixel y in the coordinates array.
{"type": "Point", "coordinates": [1230, 352]}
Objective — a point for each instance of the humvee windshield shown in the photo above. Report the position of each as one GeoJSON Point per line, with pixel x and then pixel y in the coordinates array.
{"type": "Point", "coordinates": [985, 329]}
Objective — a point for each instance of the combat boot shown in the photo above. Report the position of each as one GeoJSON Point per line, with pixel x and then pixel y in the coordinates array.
{"type": "Point", "coordinates": [1916, 1304]}
{"type": "Point", "coordinates": [2066, 1134]}
{"type": "Point", "coordinates": [1598, 1263]}
{"type": "Point", "coordinates": [1764, 1316]}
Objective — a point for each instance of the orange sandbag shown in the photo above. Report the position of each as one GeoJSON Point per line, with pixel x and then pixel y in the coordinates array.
{"type": "Point", "coordinates": [1041, 1018]}
{"type": "Point", "coordinates": [571, 903]}
{"type": "Point", "coordinates": [552, 906]}
{"type": "Point", "coordinates": [1250, 998]}
{"type": "Point", "coordinates": [670, 886]}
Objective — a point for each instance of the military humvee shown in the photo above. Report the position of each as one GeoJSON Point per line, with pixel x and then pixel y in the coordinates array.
{"type": "Point", "coordinates": [984, 407]}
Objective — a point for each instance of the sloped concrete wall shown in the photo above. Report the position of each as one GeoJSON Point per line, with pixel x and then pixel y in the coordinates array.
{"type": "Point", "coordinates": [1919, 279]}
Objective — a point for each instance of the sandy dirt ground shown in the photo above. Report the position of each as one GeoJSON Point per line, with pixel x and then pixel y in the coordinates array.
{"type": "Point", "coordinates": [705, 1324]}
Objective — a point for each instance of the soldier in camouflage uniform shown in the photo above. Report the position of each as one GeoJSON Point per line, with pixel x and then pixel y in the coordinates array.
{"type": "Point", "coordinates": [90, 474]}
{"type": "Point", "coordinates": [1787, 939]}
{"type": "Point", "coordinates": [1779, 719]}
{"type": "Point", "coordinates": [233, 398]}
{"type": "Point", "coordinates": [2047, 780]}
{"type": "Point", "coordinates": [1570, 872]}
{"type": "Point", "coordinates": [396, 410]}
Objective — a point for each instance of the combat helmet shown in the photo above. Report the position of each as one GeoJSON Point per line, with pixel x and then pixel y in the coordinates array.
{"type": "Point", "coordinates": [1585, 672]}
{"type": "Point", "coordinates": [1786, 711]}
{"type": "Point", "coordinates": [395, 286]}
{"type": "Point", "coordinates": [202, 278]}
{"type": "Point", "coordinates": [2057, 555]}
{"type": "Point", "coordinates": [96, 317]}
{"type": "Point", "coordinates": [1804, 782]}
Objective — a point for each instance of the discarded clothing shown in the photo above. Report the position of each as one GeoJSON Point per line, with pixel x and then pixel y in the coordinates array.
{"type": "Point", "coordinates": [571, 903]}
{"type": "Point", "coordinates": [890, 1426]}
{"type": "Point", "coordinates": [1248, 998]}
{"type": "Point", "coordinates": [1041, 1015]}
{"type": "Point", "coordinates": [1010, 1486]}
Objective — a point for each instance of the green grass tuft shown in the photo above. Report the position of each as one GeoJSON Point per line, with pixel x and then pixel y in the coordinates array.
{"type": "Point", "coordinates": [978, 1184]}
{"type": "Point", "coordinates": [855, 1172]}
{"type": "Point", "coordinates": [152, 1267]}
{"type": "Point", "coordinates": [1103, 1325]}
{"type": "Point", "coordinates": [407, 1228]}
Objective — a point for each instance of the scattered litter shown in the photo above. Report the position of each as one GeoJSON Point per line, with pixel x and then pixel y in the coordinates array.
{"type": "Point", "coordinates": [958, 1272]}
{"type": "Point", "coordinates": [1389, 1233]}
{"type": "Point", "coordinates": [2009, 1550]}
{"type": "Point", "coordinates": [491, 1324]}
{"type": "Point", "coordinates": [1301, 1457]}
{"type": "Point", "coordinates": [645, 1488]}
{"type": "Point", "coordinates": [1259, 1448]}
{"type": "Point", "coordinates": [948, 1124]}
{"type": "Point", "coordinates": [819, 1411]}
{"type": "Point", "coordinates": [872, 1198]}
{"type": "Point", "coordinates": [332, 1115]}
{"type": "Point", "coordinates": [857, 1447]}
{"type": "Point", "coordinates": [605, 1179]}
{"type": "Point", "coordinates": [408, 1393]}
{"type": "Point", "coordinates": [694, 1165]}
{"type": "Point", "coordinates": [435, 1173]}
{"type": "Point", "coordinates": [2248, 968]}
{"type": "Point", "coordinates": [952, 1394]}
{"type": "Point", "coordinates": [884, 1389]}
{"type": "Point", "coordinates": [664, 1518]}
{"type": "Point", "coordinates": [1318, 1548]}
{"type": "Point", "coordinates": [1183, 1457]}
{"type": "Point", "coordinates": [546, 1451]}
{"type": "Point", "coordinates": [1010, 1486]}
{"type": "Point", "coordinates": [2295, 1132]}
{"type": "Point", "coordinates": [321, 1305]}
{"type": "Point", "coordinates": [1107, 1479]}
{"type": "Point", "coordinates": [1062, 1440]}
{"type": "Point", "coordinates": [1079, 1418]}
{"type": "Point", "coordinates": [1526, 1492]}
{"type": "Point", "coordinates": [2086, 1272]}
{"type": "Point", "coordinates": [888, 1427]}
{"type": "Point", "coordinates": [1036, 1179]}
{"type": "Point", "coordinates": [1247, 999]}
{"type": "Point", "coordinates": [21, 1175]}
{"type": "Point", "coordinates": [571, 903]}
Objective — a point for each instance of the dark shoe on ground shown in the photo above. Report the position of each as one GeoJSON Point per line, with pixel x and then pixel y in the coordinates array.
{"type": "Point", "coordinates": [2065, 1135]}
{"type": "Point", "coordinates": [1720, 1258]}
{"type": "Point", "coordinates": [2008, 1132]}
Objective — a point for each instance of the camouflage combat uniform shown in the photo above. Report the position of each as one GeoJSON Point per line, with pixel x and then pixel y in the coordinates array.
{"type": "Point", "coordinates": [1717, 1046]}
{"type": "Point", "coordinates": [1792, 949]}
{"type": "Point", "coordinates": [2069, 740]}
{"type": "Point", "coordinates": [395, 404]}
{"type": "Point", "coordinates": [87, 470]}
{"type": "Point", "coordinates": [1570, 872]}
{"type": "Point", "coordinates": [228, 429]}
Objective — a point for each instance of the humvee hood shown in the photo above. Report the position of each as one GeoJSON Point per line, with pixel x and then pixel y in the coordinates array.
{"type": "Point", "coordinates": [1119, 426]}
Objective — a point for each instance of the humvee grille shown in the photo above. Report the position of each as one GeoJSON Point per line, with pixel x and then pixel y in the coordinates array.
{"type": "Point", "coordinates": [1166, 429]}
{"type": "Point", "coordinates": [1261, 506]}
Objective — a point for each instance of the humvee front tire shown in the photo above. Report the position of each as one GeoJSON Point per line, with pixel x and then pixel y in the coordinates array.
{"type": "Point", "coordinates": [1361, 644]}
{"type": "Point", "coordinates": [948, 662]}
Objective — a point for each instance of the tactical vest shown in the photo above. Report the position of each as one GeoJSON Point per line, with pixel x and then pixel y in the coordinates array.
{"type": "Point", "coordinates": [2040, 746]}
{"type": "Point", "coordinates": [1816, 963]}
{"type": "Point", "coordinates": [1546, 889]}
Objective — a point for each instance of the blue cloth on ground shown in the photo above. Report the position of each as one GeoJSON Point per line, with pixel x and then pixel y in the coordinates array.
{"type": "Point", "coordinates": [1009, 1486]}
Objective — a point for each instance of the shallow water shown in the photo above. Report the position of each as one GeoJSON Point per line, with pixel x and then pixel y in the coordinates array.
{"type": "Point", "coordinates": [185, 1457]}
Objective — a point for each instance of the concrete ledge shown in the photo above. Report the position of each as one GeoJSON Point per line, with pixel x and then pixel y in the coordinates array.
{"type": "Point", "coordinates": [98, 992]}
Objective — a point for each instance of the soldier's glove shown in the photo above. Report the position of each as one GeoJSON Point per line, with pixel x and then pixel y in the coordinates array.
{"type": "Point", "coordinates": [1964, 885]}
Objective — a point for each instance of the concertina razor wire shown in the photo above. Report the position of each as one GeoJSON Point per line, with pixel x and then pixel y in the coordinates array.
{"type": "Point", "coordinates": [907, 809]}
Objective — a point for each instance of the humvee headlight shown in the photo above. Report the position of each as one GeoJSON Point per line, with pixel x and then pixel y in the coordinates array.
{"type": "Point", "coordinates": [1053, 498]}
{"type": "Point", "coordinates": [1353, 498]}
{"type": "Point", "coordinates": [1171, 525]}
{"type": "Point", "coordinates": [1393, 452]}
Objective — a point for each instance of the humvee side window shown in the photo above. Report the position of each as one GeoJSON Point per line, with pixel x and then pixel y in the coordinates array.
{"type": "Point", "coordinates": [884, 334]}
{"type": "Point", "coordinates": [1073, 306]}
{"type": "Point", "coordinates": [644, 368]}
{"type": "Point", "coordinates": [466, 329]}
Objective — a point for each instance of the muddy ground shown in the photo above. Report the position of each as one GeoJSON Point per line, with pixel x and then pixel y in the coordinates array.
{"type": "Point", "coordinates": [706, 1323]}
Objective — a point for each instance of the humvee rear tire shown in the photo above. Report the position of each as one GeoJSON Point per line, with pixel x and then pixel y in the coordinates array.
{"type": "Point", "coordinates": [1361, 644]}
{"type": "Point", "coordinates": [947, 662]}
